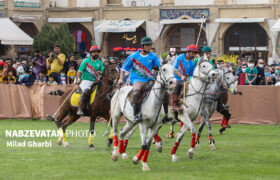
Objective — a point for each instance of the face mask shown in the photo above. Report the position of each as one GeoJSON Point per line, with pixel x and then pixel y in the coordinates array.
{"type": "Point", "coordinates": [172, 53]}
{"type": "Point", "coordinates": [243, 70]}
{"type": "Point", "coordinates": [95, 57]}
{"type": "Point", "coordinates": [62, 74]}
{"type": "Point", "coordinates": [267, 74]}
{"type": "Point", "coordinates": [27, 75]}
{"type": "Point", "coordinates": [71, 70]}
{"type": "Point", "coordinates": [276, 71]}
{"type": "Point", "coordinates": [261, 65]}
{"type": "Point", "coordinates": [251, 65]}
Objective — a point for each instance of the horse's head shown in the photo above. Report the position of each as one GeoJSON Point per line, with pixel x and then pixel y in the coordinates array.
{"type": "Point", "coordinates": [204, 70]}
{"type": "Point", "coordinates": [229, 80]}
{"type": "Point", "coordinates": [166, 76]}
{"type": "Point", "coordinates": [111, 73]}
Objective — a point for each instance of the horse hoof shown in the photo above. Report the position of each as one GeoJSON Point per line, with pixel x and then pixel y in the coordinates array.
{"type": "Point", "coordinates": [145, 167]}
{"type": "Point", "coordinates": [174, 158]}
{"type": "Point", "coordinates": [124, 156]}
{"type": "Point", "coordinates": [109, 143]}
{"type": "Point", "coordinates": [66, 145]}
{"type": "Point", "coordinates": [159, 146]}
{"type": "Point", "coordinates": [190, 153]}
{"type": "Point", "coordinates": [168, 136]}
{"type": "Point", "coordinates": [197, 146]}
{"type": "Point", "coordinates": [115, 154]}
{"type": "Point", "coordinates": [59, 141]}
{"type": "Point", "coordinates": [135, 160]}
{"type": "Point", "coordinates": [220, 133]}
{"type": "Point", "coordinates": [212, 147]}
{"type": "Point", "coordinates": [91, 147]}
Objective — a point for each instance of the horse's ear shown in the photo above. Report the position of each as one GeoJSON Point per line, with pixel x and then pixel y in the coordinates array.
{"type": "Point", "coordinates": [164, 62]}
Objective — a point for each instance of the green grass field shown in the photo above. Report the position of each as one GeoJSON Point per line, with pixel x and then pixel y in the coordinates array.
{"type": "Point", "coordinates": [243, 152]}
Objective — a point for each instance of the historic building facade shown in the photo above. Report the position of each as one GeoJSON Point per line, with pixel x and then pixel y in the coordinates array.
{"type": "Point", "coordinates": [228, 26]}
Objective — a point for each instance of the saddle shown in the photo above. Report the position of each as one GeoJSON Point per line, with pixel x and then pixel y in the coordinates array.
{"type": "Point", "coordinates": [144, 94]}
{"type": "Point", "coordinates": [75, 98]}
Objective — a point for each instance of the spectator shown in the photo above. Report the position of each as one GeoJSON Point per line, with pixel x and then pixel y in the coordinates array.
{"type": "Point", "coordinates": [277, 75]}
{"type": "Point", "coordinates": [3, 71]}
{"type": "Point", "coordinates": [171, 56]}
{"type": "Point", "coordinates": [48, 64]}
{"type": "Point", "coordinates": [5, 80]}
{"type": "Point", "coordinates": [52, 79]}
{"type": "Point", "coordinates": [20, 73]}
{"type": "Point", "coordinates": [269, 80]}
{"type": "Point", "coordinates": [29, 77]}
{"type": "Point", "coordinates": [261, 77]}
{"type": "Point", "coordinates": [220, 64]}
{"type": "Point", "coordinates": [39, 63]}
{"type": "Point", "coordinates": [11, 78]}
{"type": "Point", "coordinates": [62, 78]}
{"type": "Point", "coordinates": [17, 64]}
{"type": "Point", "coordinates": [251, 73]}
{"type": "Point", "coordinates": [79, 62]}
{"type": "Point", "coordinates": [58, 61]}
{"type": "Point", "coordinates": [10, 66]}
{"type": "Point", "coordinates": [70, 61]}
{"type": "Point", "coordinates": [71, 74]}
{"type": "Point", "coordinates": [41, 79]}
{"type": "Point", "coordinates": [242, 76]}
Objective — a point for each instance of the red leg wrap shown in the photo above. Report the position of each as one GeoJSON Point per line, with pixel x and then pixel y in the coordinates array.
{"type": "Point", "coordinates": [121, 146]}
{"type": "Point", "coordinates": [210, 137]}
{"type": "Point", "coordinates": [125, 145]}
{"type": "Point", "coordinates": [171, 133]}
{"type": "Point", "coordinates": [115, 139]}
{"type": "Point", "coordinates": [181, 125]}
{"type": "Point", "coordinates": [193, 140]}
{"type": "Point", "coordinates": [140, 154]}
{"type": "Point", "coordinates": [175, 147]}
{"type": "Point", "coordinates": [197, 138]}
{"type": "Point", "coordinates": [145, 156]}
{"type": "Point", "coordinates": [157, 138]}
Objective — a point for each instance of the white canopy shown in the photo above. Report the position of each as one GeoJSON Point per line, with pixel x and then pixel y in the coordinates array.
{"type": "Point", "coordinates": [178, 21]}
{"type": "Point", "coordinates": [69, 20]}
{"type": "Point", "coordinates": [119, 26]}
{"type": "Point", "coordinates": [276, 26]}
{"type": "Point", "coordinates": [10, 34]}
{"type": "Point", "coordinates": [239, 20]}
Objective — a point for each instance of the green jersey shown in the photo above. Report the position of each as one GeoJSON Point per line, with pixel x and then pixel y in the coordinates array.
{"type": "Point", "coordinates": [89, 69]}
{"type": "Point", "coordinates": [196, 60]}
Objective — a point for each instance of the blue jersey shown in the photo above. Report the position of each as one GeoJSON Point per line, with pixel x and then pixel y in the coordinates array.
{"type": "Point", "coordinates": [185, 67]}
{"type": "Point", "coordinates": [141, 66]}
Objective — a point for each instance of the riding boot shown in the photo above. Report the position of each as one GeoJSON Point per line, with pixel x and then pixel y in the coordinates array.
{"type": "Point", "coordinates": [81, 106]}
{"type": "Point", "coordinates": [137, 116]}
{"type": "Point", "coordinates": [174, 103]}
{"type": "Point", "coordinates": [166, 118]}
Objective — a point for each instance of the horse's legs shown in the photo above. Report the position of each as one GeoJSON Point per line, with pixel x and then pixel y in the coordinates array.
{"type": "Point", "coordinates": [158, 140]}
{"type": "Point", "coordinates": [125, 142]}
{"type": "Point", "coordinates": [201, 126]}
{"type": "Point", "coordinates": [151, 134]}
{"type": "Point", "coordinates": [171, 133]}
{"type": "Point", "coordinates": [116, 115]}
{"type": "Point", "coordinates": [59, 123]}
{"type": "Point", "coordinates": [69, 121]}
{"type": "Point", "coordinates": [143, 131]}
{"type": "Point", "coordinates": [126, 129]}
{"type": "Point", "coordinates": [91, 132]}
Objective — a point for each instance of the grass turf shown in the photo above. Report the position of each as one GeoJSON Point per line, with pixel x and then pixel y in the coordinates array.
{"type": "Point", "coordinates": [243, 152]}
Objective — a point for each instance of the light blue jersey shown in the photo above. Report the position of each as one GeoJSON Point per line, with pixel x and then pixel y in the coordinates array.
{"type": "Point", "coordinates": [185, 67]}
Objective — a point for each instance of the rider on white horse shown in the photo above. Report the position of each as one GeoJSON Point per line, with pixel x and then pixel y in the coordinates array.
{"type": "Point", "coordinates": [184, 67]}
{"type": "Point", "coordinates": [207, 51]}
{"type": "Point", "coordinates": [141, 64]}
{"type": "Point", "coordinates": [87, 75]}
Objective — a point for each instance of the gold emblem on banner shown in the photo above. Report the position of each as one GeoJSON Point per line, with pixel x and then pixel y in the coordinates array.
{"type": "Point", "coordinates": [133, 39]}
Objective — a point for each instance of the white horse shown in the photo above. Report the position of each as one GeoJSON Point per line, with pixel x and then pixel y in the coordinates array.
{"type": "Point", "coordinates": [203, 74]}
{"type": "Point", "coordinates": [213, 99]}
{"type": "Point", "coordinates": [150, 110]}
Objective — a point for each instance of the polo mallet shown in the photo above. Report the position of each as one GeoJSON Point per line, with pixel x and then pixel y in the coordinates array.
{"type": "Point", "coordinates": [108, 127]}
{"type": "Point", "coordinates": [203, 15]}
{"type": "Point", "coordinates": [183, 100]}
{"type": "Point", "coordinates": [52, 117]}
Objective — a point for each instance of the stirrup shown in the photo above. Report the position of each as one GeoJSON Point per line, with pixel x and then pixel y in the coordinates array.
{"type": "Point", "coordinates": [137, 119]}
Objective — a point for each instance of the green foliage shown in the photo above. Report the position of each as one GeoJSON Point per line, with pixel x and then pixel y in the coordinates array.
{"type": "Point", "coordinates": [50, 36]}
{"type": "Point", "coordinates": [164, 55]}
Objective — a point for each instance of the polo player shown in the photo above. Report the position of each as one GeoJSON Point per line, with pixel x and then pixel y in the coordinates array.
{"type": "Point", "coordinates": [184, 67]}
{"type": "Point", "coordinates": [87, 75]}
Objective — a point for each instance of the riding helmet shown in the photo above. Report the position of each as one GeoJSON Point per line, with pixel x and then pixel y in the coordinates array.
{"type": "Point", "coordinates": [146, 40]}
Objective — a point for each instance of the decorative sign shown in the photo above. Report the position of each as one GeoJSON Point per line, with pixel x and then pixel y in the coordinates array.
{"type": "Point", "coordinates": [133, 39]}
{"type": "Point", "coordinates": [176, 13]}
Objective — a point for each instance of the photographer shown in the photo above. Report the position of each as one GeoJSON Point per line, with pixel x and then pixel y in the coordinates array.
{"type": "Point", "coordinates": [56, 61]}
{"type": "Point", "coordinates": [38, 63]}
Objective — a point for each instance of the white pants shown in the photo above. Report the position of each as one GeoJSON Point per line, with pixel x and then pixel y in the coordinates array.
{"type": "Point", "coordinates": [85, 84]}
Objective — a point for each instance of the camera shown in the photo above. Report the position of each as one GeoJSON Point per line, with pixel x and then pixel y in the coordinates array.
{"type": "Point", "coordinates": [56, 93]}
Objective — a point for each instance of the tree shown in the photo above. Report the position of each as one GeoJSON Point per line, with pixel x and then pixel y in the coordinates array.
{"type": "Point", "coordinates": [49, 36]}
